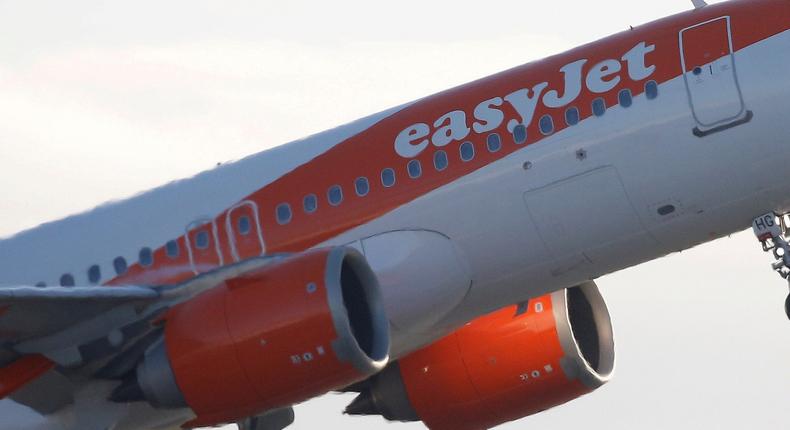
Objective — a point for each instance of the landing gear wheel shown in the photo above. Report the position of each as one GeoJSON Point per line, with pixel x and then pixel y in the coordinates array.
{"type": "Point", "coordinates": [773, 232]}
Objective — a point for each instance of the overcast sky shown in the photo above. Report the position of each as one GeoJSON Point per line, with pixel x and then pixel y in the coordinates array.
{"type": "Point", "coordinates": [100, 100]}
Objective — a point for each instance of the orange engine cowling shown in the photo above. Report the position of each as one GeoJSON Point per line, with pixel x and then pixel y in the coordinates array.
{"type": "Point", "coordinates": [504, 366]}
{"type": "Point", "coordinates": [269, 338]}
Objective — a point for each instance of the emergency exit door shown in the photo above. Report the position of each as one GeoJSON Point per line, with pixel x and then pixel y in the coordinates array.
{"type": "Point", "coordinates": [709, 71]}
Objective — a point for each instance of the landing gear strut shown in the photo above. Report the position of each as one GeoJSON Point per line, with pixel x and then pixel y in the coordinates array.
{"type": "Point", "coordinates": [772, 232]}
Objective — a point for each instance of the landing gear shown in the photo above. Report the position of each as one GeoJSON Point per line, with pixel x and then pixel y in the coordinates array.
{"type": "Point", "coordinates": [772, 232]}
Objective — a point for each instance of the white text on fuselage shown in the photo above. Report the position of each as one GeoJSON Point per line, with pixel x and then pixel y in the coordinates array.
{"type": "Point", "coordinates": [488, 115]}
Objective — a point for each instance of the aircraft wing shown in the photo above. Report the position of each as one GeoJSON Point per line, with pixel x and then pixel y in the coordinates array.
{"type": "Point", "coordinates": [105, 327]}
{"type": "Point", "coordinates": [56, 322]}
{"type": "Point", "coordinates": [32, 315]}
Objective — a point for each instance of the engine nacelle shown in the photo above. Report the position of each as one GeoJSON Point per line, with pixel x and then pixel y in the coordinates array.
{"type": "Point", "coordinates": [504, 366]}
{"type": "Point", "coordinates": [270, 338]}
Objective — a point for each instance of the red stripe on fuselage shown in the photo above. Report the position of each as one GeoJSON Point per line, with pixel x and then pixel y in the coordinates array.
{"type": "Point", "coordinates": [367, 153]}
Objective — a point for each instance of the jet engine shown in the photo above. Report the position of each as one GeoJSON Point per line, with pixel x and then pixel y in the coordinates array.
{"type": "Point", "coordinates": [267, 339]}
{"type": "Point", "coordinates": [504, 366]}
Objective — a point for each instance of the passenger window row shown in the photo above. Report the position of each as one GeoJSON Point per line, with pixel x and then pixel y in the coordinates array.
{"type": "Point", "coordinates": [334, 195]}
{"type": "Point", "coordinates": [146, 256]}
{"type": "Point", "coordinates": [598, 107]}
{"type": "Point", "coordinates": [94, 272]}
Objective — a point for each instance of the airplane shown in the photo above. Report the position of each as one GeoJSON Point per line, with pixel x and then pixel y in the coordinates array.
{"type": "Point", "coordinates": [437, 258]}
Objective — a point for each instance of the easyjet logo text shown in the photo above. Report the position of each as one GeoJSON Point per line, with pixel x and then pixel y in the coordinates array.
{"type": "Point", "coordinates": [489, 114]}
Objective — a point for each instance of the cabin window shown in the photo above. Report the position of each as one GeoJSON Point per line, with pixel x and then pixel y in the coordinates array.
{"type": "Point", "coordinates": [467, 150]}
{"type": "Point", "coordinates": [546, 125]}
{"type": "Point", "coordinates": [334, 195]}
{"type": "Point", "coordinates": [94, 274]}
{"type": "Point", "coordinates": [666, 210]}
{"type": "Point", "coordinates": [388, 177]}
{"type": "Point", "coordinates": [440, 160]}
{"type": "Point", "coordinates": [67, 280]}
{"type": "Point", "coordinates": [520, 134]}
{"type": "Point", "coordinates": [599, 106]}
{"type": "Point", "coordinates": [283, 213]}
{"type": "Point", "coordinates": [201, 240]}
{"type": "Point", "coordinates": [119, 264]}
{"type": "Point", "coordinates": [361, 186]}
{"type": "Point", "coordinates": [146, 257]}
{"type": "Point", "coordinates": [624, 96]}
{"type": "Point", "coordinates": [415, 169]}
{"type": "Point", "coordinates": [244, 225]}
{"type": "Point", "coordinates": [572, 116]}
{"type": "Point", "coordinates": [41, 284]}
{"type": "Point", "coordinates": [171, 248]}
{"type": "Point", "coordinates": [310, 203]}
{"type": "Point", "coordinates": [651, 90]}
{"type": "Point", "coordinates": [493, 142]}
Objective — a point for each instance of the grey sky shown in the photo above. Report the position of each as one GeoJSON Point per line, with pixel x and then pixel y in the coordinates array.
{"type": "Point", "coordinates": [100, 100]}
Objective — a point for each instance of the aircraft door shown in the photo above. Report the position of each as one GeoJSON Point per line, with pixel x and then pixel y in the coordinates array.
{"type": "Point", "coordinates": [243, 227]}
{"type": "Point", "coordinates": [709, 71]}
{"type": "Point", "coordinates": [203, 246]}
